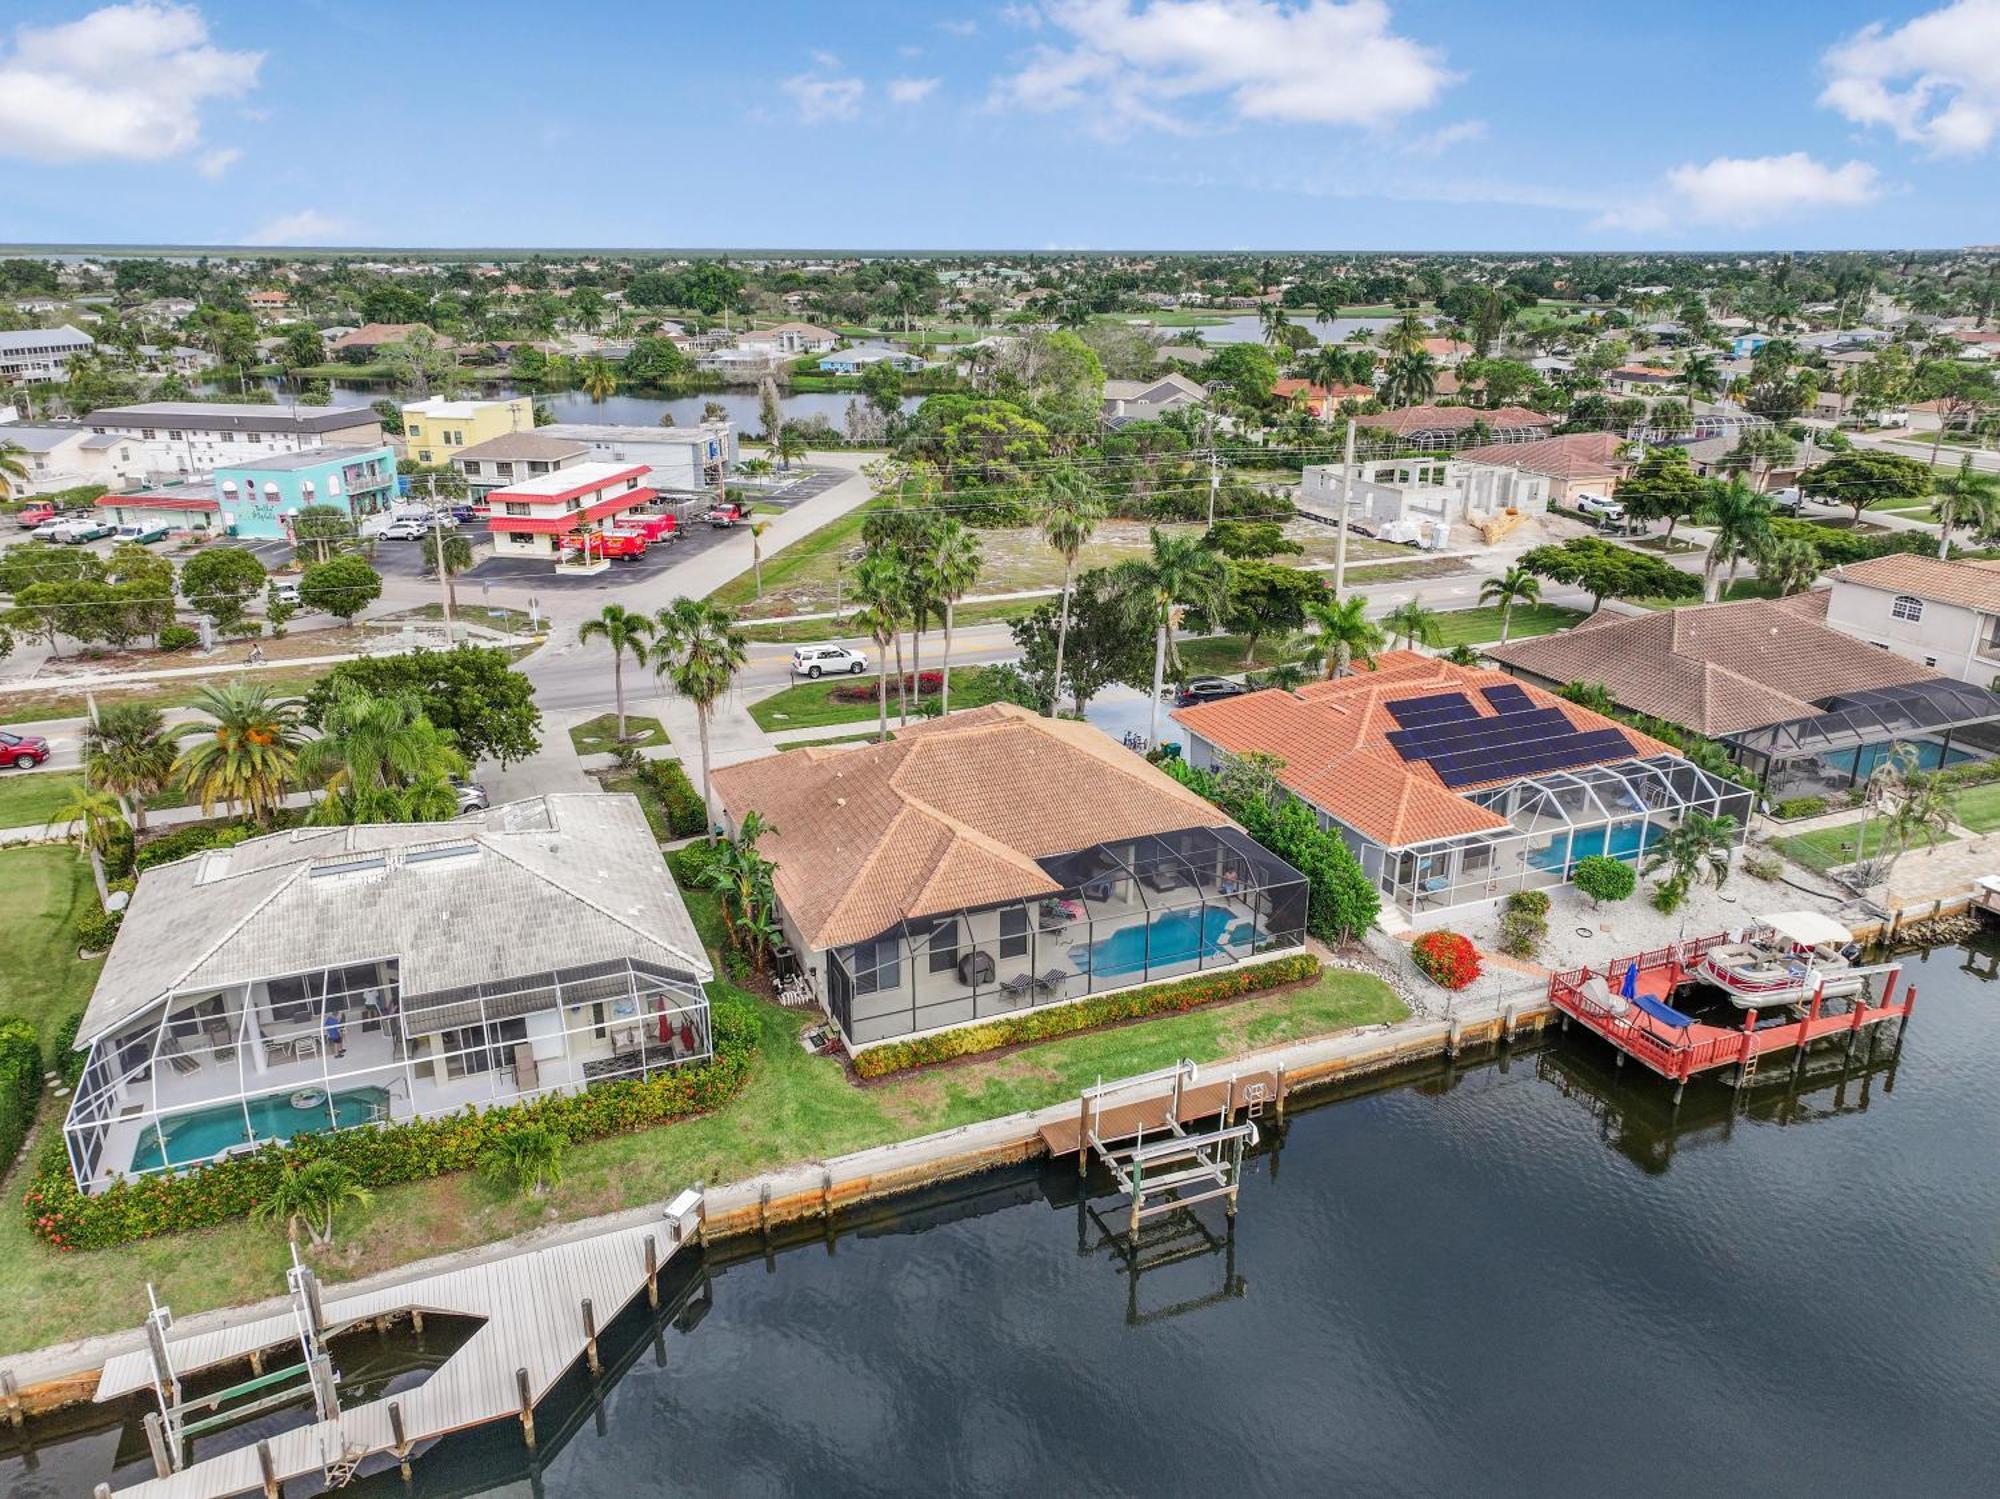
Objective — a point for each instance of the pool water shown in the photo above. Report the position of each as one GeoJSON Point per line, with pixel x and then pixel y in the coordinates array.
{"type": "Point", "coordinates": [208, 1132]}
{"type": "Point", "coordinates": [1626, 840]}
{"type": "Point", "coordinates": [1931, 755]}
{"type": "Point", "coordinates": [1177, 937]}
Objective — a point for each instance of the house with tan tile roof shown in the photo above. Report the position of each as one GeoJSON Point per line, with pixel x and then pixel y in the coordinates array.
{"type": "Point", "coordinates": [996, 860]}
{"type": "Point", "coordinates": [1456, 786]}
{"type": "Point", "coordinates": [1573, 463]}
{"type": "Point", "coordinates": [1941, 614]}
{"type": "Point", "coordinates": [1446, 425]}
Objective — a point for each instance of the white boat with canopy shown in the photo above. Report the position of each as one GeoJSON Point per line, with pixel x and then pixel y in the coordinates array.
{"type": "Point", "coordinates": [1782, 959]}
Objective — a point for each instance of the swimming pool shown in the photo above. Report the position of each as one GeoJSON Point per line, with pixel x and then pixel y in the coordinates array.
{"type": "Point", "coordinates": [208, 1132]}
{"type": "Point", "coordinates": [1177, 937]}
{"type": "Point", "coordinates": [1623, 840]}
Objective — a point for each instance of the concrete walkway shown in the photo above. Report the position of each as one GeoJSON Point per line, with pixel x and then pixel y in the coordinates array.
{"type": "Point", "coordinates": [164, 817]}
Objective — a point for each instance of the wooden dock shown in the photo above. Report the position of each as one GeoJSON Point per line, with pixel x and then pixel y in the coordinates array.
{"type": "Point", "coordinates": [1253, 1091]}
{"type": "Point", "coordinates": [533, 1330]}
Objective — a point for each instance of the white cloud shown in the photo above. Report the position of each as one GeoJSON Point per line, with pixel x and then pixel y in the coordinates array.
{"type": "Point", "coordinates": [306, 227]}
{"type": "Point", "coordinates": [1025, 16]}
{"type": "Point", "coordinates": [1739, 192]}
{"type": "Point", "coordinates": [821, 96]}
{"type": "Point", "coordinates": [1934, 80]}
{"type": "Point", "coordinates": [1317, 63]}
{"type": "Point", "coordinates": [212, 164]}
{"type": "Point", "coordinates": [1441, 140]}
{"type": "Point", "coordinates": [911, 90]}
{"type": "Point", "coordinates": [960, 27]}
{"type": "Point", "coordinates": [126, 81]}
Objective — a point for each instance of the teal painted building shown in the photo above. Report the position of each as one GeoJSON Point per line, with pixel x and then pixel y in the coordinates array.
{"type": "Point", "coordinates": [258, 499]}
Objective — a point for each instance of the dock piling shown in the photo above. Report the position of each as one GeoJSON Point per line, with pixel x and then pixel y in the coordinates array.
{"type": "Point", "coordinates": [399, 1436]}
{"type": "Point", "coordinates": [10, 1393]}
{"type": "Point", "coordinates": [590, 1338]}
{"type": "Point", "coordinates": [156, 1443]}
{"type": "Point", "coordinates": [267, 1469]}
{"type": "Point", "coordinates": [652, 1272]}
{"type": "Point", "coordinates": [527, 1408]}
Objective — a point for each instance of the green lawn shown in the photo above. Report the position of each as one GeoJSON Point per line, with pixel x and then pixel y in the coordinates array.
{"type": "Point", "coordinates": [1222, 655]}
{"type": "Point", "coordinates": [29, 798]}
{"type": "Point", "coordinates": [811, 704]}
{"type": "Point", "coordinates": [41, 980]}
{"type": "Point", "coordinates": [868, 738]}
{"type": "Point", "coordinates": [812, 631]}
{"type": "Point", "coordinates": [1979, 807]}
{"type": "Point", "coordinates": [806, 553]}
{"type": "Point", "coordinates": [1829, 848]}
{"type": "Point", "coordinates": [1742, 588]}
{"type": "Point", "coordinates": [599, 735]}
{"type": "Point", "coordinates": [795, 1107]}
{"type": "Point", "coordinates": [1482, 626]}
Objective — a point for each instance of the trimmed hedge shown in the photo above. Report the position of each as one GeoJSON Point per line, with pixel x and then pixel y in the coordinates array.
{"type": "Point", "coordinates": [20, 1086]}
{"type": "Point", "coordinates": [144, 1207]}
{"type": "Point", "coordinates": [1799, 806]}
{"type": "Point", "coordinates": [1178, 996]}
{"type": "Point", "coordinates": [686, 816]}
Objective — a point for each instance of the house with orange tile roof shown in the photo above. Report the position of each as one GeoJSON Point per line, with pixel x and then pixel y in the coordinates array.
{"type": "Point", "coordinates": [1456, 786]}
{"type": "Point", "coordinates": [995, 861]}
{"type": "Point", "coordinates": [1322, 401]}
{"type": "Point", "coordinates": [1449, 426]}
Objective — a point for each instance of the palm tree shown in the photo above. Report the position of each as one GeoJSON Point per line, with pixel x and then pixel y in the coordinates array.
{"type": "Point", "coordinates": [98, 820]}
{"type": "Point", "coordinates": [599, 380]}
{"type": "Point", "coordinates": [1345, 634]}
{"type": "Point", "coordinates": [1413, 621]}
{"type": "Point", "coordinates": [1068, 513]}
{"type": "Point", "coordinates": [1701, 376]}
{"type": "Point", "coordinates": [1970, 494]}
{"type": "Point", "coordinates": [1790, 566]}
{"type": "Point", "coordinates": [878, 587]}
{"type": "Point", "coordinates": [1515, 586]}
{"type": "Point", "coordinates": [128, 752]}
{"type": "Point", "coordinates": [626, 632]}
{"type": "Point", "coordinates": [246, 753]}
{"type": "Point", "coordinates": [1406, 335]}
{"type": "Point", "coordinates": [1924, 807]}
{"type": "Point", "coordinates": [311, 1195]}
{"type": "Point", "coordinates": [757, 528]}
{"type": "Point", "coordinates": [372, 753]}
{"type": "Point", "coordinates": [1271, 320]}
{"type": "Point", "coordinates": [1180, 570]}
{"type": "Point", "coordinates": [954, 567]}
{"type": "Point", "coordinates": [453, 558]}
{"type": "Point", "coordinates": [788, 444]}
{"type": "Point", "coordinates": [1409, 379]}
{"type": "Point", "coordinates": [699, 650]}
{"type": "Point", "coordinates": [1739, 520]}
{"type": "Point", "coordinates": [12, 470]}
{"type": "Point", "coordinates": [1699, 844]}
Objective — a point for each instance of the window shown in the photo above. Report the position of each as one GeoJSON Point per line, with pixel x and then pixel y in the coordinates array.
{"type": "Point", "coordinates": [519, 538]}
{"type": "Point", "coordinates": [1014, 932]}
{"type": "Point", "coordinates": [944, 946]}
{"type": "Point", "coordinates": [1906, 608]}
{"type": "Point", "coordinates": [876, 965]}
{"type": "Point", "coordinates": [413, 430]}
{"type": "Point", "coordinates": [515, 507]}
{"type": "Point", "coordinates": [175, 436]}
{"type": "Point", "coordinates": [149, 434]}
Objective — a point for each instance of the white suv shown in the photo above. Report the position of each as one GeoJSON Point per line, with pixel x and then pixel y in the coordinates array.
{"type": "Point", "coordinates": [827, 660]}
{"type": "Point", "coordinates": [1598, 505]}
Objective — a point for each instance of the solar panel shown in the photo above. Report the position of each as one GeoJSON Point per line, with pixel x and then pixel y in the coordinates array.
{"type": "Point", "coordinates": [1438, 707]}
{"type": "Point", "coordinates": [1557, 753]}
{"type": "Point", "coordinates": [1507, 697]}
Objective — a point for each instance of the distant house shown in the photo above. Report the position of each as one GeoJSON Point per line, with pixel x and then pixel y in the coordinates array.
{"type": "Point", "coordinates": [853, 361]}
{"type": "Point", "coordinates": [1443, 491]}
{"type": "Point", "coordinates": [1128, 401]}
{"type": "Point", "coordinates": [1445, 426]}
{"type": "Point", "coordinates": [1945, 615]}
{"type": "Point", "coordinates": [1448, 352]}
{"type": "Point", "coordinates": [38, 356]}
{"type": "Point", "coordinates": [1574, 463]}
{"type": "Point", "coordinates": [1321, 400]}
{"type": "Point", "coordinates": [267, 302]}
{"type": "Point", "coordinates": [67, 457]}
{"type": "Point", "coordinates": [1194, 354]}
{"type": "Point", "coordinates": [791, 339]}
{"type": "Point", "coordinates": [1708, 455]}
{"type": "Point", "coordinates": [370, 339]}
{"type": "Point", "coordinates": [748, 360]}
{"type": "Point", "coordinates": [1640, 379]}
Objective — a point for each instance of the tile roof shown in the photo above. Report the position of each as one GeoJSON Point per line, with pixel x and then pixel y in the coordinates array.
{"type": "Point", "coordinates": [1333, 738]}
{"type": "Point", "coordinates": [1969, 585]}
{"type": "Point", "coordinates": [1715, 668]}
{"type": "Point", "coordinates": [1576, 455]}
{"type": "Point", "coordinates": [555, 882]}
{"type": "Point", "coordinates": [1455, 418]}
{"type": "Point", "coordinates": [511, 446]}
{"type": "Point", "coordinates": [370, 335]}
{"type": "Point", "coordinates": [951, 814]}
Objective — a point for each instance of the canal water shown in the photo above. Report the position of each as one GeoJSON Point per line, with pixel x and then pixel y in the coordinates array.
{"type": "Point", "coordinates": [1519, 1274]}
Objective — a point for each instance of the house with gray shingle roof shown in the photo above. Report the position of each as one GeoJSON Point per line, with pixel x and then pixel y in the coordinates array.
{"type": "Point", "coordinates": [327, 978]}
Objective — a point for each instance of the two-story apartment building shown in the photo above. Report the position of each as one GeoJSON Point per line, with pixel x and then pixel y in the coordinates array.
{"type": "Point", "coordinates": [33, 356]}
{"type": "Point", "coordinates": [681, 460]}
{"type": "Point", "coordinates": [64, 457]}
{"type": "Point", "coordinates": [1944, 615]}
{"type": "Point", "coordinates": [260, 499]}
{"type": "Point", "coordinates": [499, 461]}
{"type": "Point", "coordinates": [543, 517]}
{"type": "Point", "coordinates": [198, 437]}
{"type": "Point", "coordinates": [435, 429]}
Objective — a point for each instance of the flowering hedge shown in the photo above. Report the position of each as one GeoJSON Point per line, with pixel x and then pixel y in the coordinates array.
{"type": "Point", "coordinates": [1082, 1015]}
{"type": "Point", "coordinates": [926, 684]}
{"type": "Point", "coordinates": [144, 1207]}
{"type": "Point", "coordinates": [1446, 959]}
{"type": "Point", "coordinates": [20, 1085]}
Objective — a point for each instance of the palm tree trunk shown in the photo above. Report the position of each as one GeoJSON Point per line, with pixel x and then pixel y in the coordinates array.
{"type": "Point", "coordinates": [1062, 632]}
{"type": "Point", "coordinates": [944, 690]}
{"type": "Point", "coordinates": [1159, 680]}
{"type": "Point", "coordinates": [138, 811]}
{"type": "Point", "coordinates": [618, 689]}
{"type": "Point", "coordinates": [1506, 618]}
{"type": "Point", "coordinates": [902, 686]}
{"type": "Point", "coordinates": [1944, 533]}
{"type": "Point", "coordinates": [707, 816]}
{"type": "Point", "coordinates": [97, 874]}
{"type": "Point", "coordinates": [917, 662]}
{"type": "Point", "coordinates": [882, 703]}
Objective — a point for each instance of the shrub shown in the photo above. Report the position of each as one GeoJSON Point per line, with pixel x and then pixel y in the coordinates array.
{"type": "Point", "coordinates": [96, 931]}
{"type": "Point", "coordinates": [379, 1156]}
{"type": "Point", "coordinates": [1799, 806]}
{"type": "Point", "coordinates": [926, 684]}
{"type": "Point", "coordinates": [1178, 996]}
{"type": "Point", "coordinates": [193, 839]}
{"type": "Point", "coordinates": [20, 1085]}
{"type": "Point", "coordinates": [1668, 895]}
{"type": "Point", "coordinates": [686, 816]}
{"type": "Point", "coordinates": [1603, 878]}
{"type": "Point", "coordinates": [1763, 866]}
{"type": "Point", "coordinates": [70, 1061]}
{"type": "Point", "coordinates": [179, 638]}
{"type": "Point", "coordinates": [1521, 934]}
{"type": "Point", "coordinates": [1447, 959]}
{"type": "Point", "coordinates": [690, 865]}
{"type": "Point", "coordinates": [1532, 902]}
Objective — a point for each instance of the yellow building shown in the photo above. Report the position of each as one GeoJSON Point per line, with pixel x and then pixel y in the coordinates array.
{"type": "Point", "coordinates": [433, 430]}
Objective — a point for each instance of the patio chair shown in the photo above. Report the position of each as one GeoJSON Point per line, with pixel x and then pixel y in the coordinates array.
{"type": "Point", "coordinates": [221, 1039]}
{"type": "Point", "coordinates": [179, 1060]}
{"type": "Point", "coordinates": [1052, 982]}
{"type": "Point", "coordinates": [1017, 987]}
{"type": "Point", "coordinates": [526, 1076]}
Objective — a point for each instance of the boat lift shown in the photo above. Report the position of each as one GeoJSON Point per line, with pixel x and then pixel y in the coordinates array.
{"type": "Point", "coordinates": [181, 1418]}
{"type": "Point", "coordinates": [1157, 1161]}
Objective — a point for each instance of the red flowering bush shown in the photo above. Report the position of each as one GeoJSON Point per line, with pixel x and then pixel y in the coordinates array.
{"type": "Point", "coordinates": [1447, 959]}
{"type": "Point", "coordinates": [923, 685]}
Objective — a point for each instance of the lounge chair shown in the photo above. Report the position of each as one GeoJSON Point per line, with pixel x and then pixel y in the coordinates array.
{"type": "Point", "coordinates": [526, 1077]}
{"type": "Point", "coordinates": [1017, 988]}
{"type": "Point", "coordinates": [221, 1039]}
{"type": "Point", "coordinates": [179, 1060]}
{"type": "Point", "coordinates": [1052, 982]}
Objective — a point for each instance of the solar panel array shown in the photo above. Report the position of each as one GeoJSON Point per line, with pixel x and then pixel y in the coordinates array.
{"type": "Point", "coordinates": [1465, 746]}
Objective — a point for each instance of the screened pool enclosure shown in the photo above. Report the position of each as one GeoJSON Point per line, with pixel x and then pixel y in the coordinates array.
{"type": "Point", "coordinates": [1932, 724]}
{"type": "Point", "coordinates": [217, 1072]}
{"type": "Point", "coordinates": [1620, 809]}
{"type": "Point", "coordinates": [1125, 913]}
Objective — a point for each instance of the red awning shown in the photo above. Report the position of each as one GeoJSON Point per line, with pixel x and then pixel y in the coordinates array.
{"type": "Point", "coordinates": [575, 520]}
{"type": "Point", "coordinates": [157, 502]}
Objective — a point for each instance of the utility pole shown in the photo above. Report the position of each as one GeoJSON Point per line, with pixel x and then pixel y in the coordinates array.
{"type": "Point", "coordinates": [437, 544]}
{"type": "Point", "coordinates": [1214, 471]}
{"type": "Point", "coordinates": [1340, 536]}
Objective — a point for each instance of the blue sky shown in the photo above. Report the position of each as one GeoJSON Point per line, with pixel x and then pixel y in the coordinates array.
{"type": "Point", "coordinates": [1092, 124]}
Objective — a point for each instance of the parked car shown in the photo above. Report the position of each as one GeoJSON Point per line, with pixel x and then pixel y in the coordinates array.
{"type": "Point", "coordinates": [1207, 690]}
{"type": "Point", "coordinates": [404, 529]}
{"type": "Point", "coordinates": [1789, 499]}
{"type": "Point", "coordinates": [286, 592]}
{"type": "Point", "coordinates": [50, 530]}
{"type": "Point", "coordinates": [1599, 506]}
{"type": "Point", "coordinates": [76, 533]}
{"type": "Point", "coordinates": [463, 512]}
{"type": "Point", "coordinates": [31, 516]}
{"type": "Point", "coordinates": [23, 751]}
{"type": "Point", "coordinates": [722, 517]}
{"type": "Point", "coordinates": [471, 795]}
{"type": "Point", "coordinates": [143, 534]}
{"type": "Point", "coordinates": [827, 660]}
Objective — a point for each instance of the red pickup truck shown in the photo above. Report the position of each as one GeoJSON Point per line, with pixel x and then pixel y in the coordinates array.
{"type": "Point", "coordinates": [31, 516]}
{"type": "Point", "coordinates": [723, 516]}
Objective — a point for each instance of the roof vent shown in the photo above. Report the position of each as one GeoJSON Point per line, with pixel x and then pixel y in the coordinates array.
{"type": "Point", "coordinates": [214, 866]}
{"type": "Point", "coordinates": [367, 864]}
{"type": "Point", "coordinates": [440, 852]}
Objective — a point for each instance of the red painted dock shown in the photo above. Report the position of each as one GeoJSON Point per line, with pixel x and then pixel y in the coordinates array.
{"type": "Point", "coordinates": [1677, 1053]}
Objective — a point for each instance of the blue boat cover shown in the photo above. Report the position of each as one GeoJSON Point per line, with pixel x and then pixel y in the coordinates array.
{"type": "Point", "coordinates": [1664, 1013]}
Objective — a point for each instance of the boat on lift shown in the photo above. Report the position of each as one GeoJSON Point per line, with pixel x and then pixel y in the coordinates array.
{"type": "Point", "coordinates": [1782, 960]}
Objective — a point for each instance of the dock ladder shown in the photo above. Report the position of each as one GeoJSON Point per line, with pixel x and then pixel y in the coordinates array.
{"type": "Point", "coordinates": [1157, 1160]}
